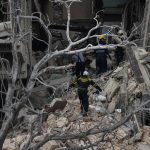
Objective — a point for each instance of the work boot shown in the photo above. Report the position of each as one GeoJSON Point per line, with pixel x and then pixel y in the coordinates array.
{"type": "Point", "coordinates": [84, 114]}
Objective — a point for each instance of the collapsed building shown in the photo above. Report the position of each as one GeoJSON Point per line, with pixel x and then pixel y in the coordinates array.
{"type": "Point", "coordinates": [126, 85]}
{"type": "Point", "coordinates": [115, 13]}
{"type": "Point", "coordinates": [132, 15]}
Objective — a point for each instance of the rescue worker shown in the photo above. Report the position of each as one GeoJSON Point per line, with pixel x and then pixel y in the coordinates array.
{"type": "Point", "coordinates": [79, 61]}
{"type": "Point", "coordinates": [83, 83]}
{"type": "Point", "coordinates": [101, 56]}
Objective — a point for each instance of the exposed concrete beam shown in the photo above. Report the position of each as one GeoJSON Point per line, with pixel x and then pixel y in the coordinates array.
{"type": "Point", "coordinates": [5, 29]}
{"type": "Point", "coordinates": [143, 69]}
{"type": "Point", "coordinates": [134, 64]}
{"type": "Point", "coordinates": [146, 25]}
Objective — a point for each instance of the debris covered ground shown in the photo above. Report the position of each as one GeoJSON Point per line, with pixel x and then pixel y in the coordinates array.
{"type": "Point", "coordinates": [107, 126]}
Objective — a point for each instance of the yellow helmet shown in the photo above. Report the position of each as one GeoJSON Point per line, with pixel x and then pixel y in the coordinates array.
{"type": "Point", "coordinates": [101, 37]}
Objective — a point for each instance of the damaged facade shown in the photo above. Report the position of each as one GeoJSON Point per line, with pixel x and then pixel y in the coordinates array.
{"type": "Point", "coordinates": [115, 13]}
{"type": "Point", "coordinates": [126, 86]}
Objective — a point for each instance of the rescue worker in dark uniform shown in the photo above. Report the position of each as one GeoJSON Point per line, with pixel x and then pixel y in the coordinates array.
{"type": "Point", "coordinates": [119, 55]}
{"type": "Point", "coordinates": [83, 83]}
{"type": "Point", "coordinates": [79, 61]}
{"type": "Point", "coordinates": [101, 57]}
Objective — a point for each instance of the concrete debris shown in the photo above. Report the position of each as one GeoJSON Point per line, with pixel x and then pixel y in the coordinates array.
{"type": "Point", "coordinates": [51, 145]}
{"type": "Point", "coordinates": [9, 145]}
{"type": "Point", "coordinates": [111, 88]}
{"type": "Point", "coordinates": [14, 143]}
{"type": "Point", "coordinates": [142, 53]}
{"type": "Point", "coordinates": [38, 139]}
{"type": "Point", "coordinates": [143, 146]}
{"type": "Point", "coordinates": [131, 86]}
{"type": "Point", "coordinates": [56, 104]}
{"type": "Point", "coordinates": [61, 122]}
{"type": "Point", "coordinates": [40, 96]}
{"type": "Point", "coordinates": [93, 64]}
{"type": "Point", "coordinates": [122, 133]}
{"type": "Point", "coordinates": [51, 121]}
{"type": "Point", "coordinates": [64, 118]}
{"type": "Point", "coordinates": [136, 138]}
{"type": "Point", "coordinates": [146, 135]}
{"type": "Point", "coordinates": [112, 105]}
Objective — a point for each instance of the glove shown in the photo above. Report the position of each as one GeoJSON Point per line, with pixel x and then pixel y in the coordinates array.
{"type": "Point", "coordinates": [99, 89]}
{"type": "Point", "coordinates": [67, 88]}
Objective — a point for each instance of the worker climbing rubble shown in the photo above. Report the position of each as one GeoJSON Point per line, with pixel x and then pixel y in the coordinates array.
{"type": "Point", "coordinates": [83, 83]}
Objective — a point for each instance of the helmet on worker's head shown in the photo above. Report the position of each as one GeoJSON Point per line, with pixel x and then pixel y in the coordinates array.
{"type": "Point", "coordinates": [85, 73]}
{"type": "Point", "coordinates": [120, 32]}
{"type": "Point", "coordinates": [101, 37]}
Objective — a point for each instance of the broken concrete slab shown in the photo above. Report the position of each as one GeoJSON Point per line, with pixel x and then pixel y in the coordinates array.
{"type": "Point", "coordinates": [146, 134]}
{"type": "Point", "coordinates": [5, 28]}
{"type": "Point", "coordinates": [112, 105]}
{"type": "Point", "coordinates": [56, 104]}
{"type": "Point", "coordinates": [51, 121]}
{"type": "Point", "coordinates": [111, 88]}
{"type": "Point", "coordinates": [61, 122]}
{"type": "Point", "coordinates": [40, 96]}
{"type": "Point", "coordinates": [9, 145]}
{"type": "Point", "coordinates": [142, 146]}
{"type": "Point", "coordinates": [51, 145]}
{"type": "Point", "coordinates": [142, 53]}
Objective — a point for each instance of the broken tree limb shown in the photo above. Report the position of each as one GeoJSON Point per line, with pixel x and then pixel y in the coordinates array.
{"type": "Point", "coordinates": [142, 68]}
{"type": "Point", "coordinates": [123, 97]}
{"type": "Point", "coordinates": [136, 121]}
{"type": "Point", "coordinates": [134, 64]}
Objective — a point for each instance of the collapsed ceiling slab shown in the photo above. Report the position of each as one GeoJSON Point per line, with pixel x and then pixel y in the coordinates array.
{"type": "Point", "coordinates": [5, 29]}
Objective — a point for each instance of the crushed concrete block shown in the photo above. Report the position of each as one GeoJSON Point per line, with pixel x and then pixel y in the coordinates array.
{"type": "Point", "coordinates": [9, 145]}
{"type": "Point", "coordinates": [131, 87]}
{"type": "Point", "coordinates": [122, 133]}
{"type": "Point", "coordinates": [142, 53]}
{"type": "Point", "coordinates": [40, 97]}
{"type": "Point", "coordinates": [61, 122]}
{"type": "Point", "coordinates": [143, 147]}
{"type": "Point", "coordinates": [51, 121]}
{"type": "Point", "coordinates": [146, 134]}
{"type": "Point", "coordinates": [93, 64]}
{"type": "Point", "coordinates": [136, 138]}
{"type": "Point", "coordinates": [51, 145]}
{"type": "Point", "coordinates": [38, 139]}
{"type": "Point", "coordinates": [56, 104]}
{"type": "Point", "coordinates": [112, 105]}
{"type": "Point", "coordinates": [111, 88]}
{"type": "Point", "coordinates": [19, 139]}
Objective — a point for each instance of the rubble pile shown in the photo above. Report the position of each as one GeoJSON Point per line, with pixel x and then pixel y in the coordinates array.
{"type": "Point", "coordinates": [105, 127]}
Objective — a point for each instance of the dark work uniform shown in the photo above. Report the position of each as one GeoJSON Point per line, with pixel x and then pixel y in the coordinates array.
{"type": "Point", "coordinates": [119, 55]}
{"type": "Point", "coordinates": [83, 83]}
{"type": "Point", "coordinates": [101, 60]}
{"type": "Point", "coordinates": [80, 64]}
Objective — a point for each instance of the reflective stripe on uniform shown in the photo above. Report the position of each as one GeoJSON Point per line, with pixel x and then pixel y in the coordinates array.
{"type": "Point", "coordinates": [83, 79]}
